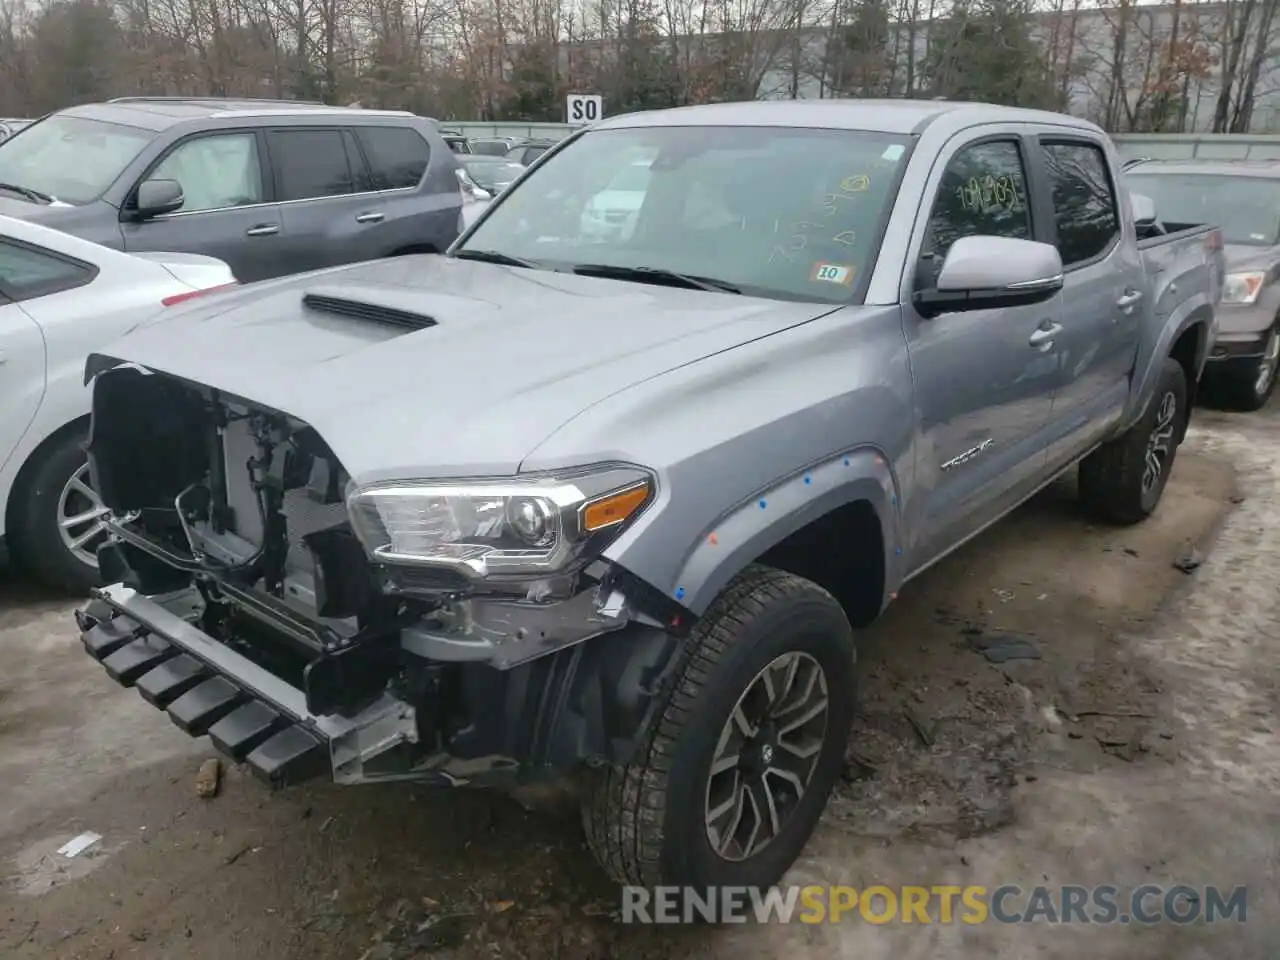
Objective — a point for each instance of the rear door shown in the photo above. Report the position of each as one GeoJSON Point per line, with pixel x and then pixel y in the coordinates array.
{"type": "Point", "coordinates": [416, 218]}
{"type": "Point", "coordinates": [227, 210]}
{"type": "Point", "coordinates": [329, 210]}
{"type": "Point", "coordinates": [1102, 294]}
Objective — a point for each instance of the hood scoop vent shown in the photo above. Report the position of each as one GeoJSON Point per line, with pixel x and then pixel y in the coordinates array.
{"type": "Point", "coordinates": [366, 310]}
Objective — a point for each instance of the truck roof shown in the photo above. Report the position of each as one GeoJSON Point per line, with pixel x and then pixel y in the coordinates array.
{"type": "Point", "coordinates": [883, 116]}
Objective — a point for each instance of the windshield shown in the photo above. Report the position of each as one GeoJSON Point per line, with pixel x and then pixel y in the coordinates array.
{"type": "Point", "coordinates": [1246, 208]}
{"type": "Point", "coordinates": [789, 213]}
{"type": "Point", "coordinates": [72, 159]}
{"type": "Point", "coordinates": [491, 173]}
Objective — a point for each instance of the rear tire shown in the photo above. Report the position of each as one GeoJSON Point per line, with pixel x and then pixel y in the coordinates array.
{"type": "Point", "coordinates": [54, 515]}
{"type": "Point", "coordinates": [1123, 480]}
{"type": "Point", "coordinates": [772, 649]}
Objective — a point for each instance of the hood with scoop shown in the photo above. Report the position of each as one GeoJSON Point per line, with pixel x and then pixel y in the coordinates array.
{"type": "Point", "coordinates": [433, 366]}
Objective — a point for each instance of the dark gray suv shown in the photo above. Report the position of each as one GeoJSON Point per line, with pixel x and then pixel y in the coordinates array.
{"type": "Point", "coordinates": [271, 187]}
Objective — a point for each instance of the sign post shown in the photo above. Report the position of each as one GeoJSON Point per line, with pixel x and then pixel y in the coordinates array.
{"type": "Point", "coordinates": [583, 108]}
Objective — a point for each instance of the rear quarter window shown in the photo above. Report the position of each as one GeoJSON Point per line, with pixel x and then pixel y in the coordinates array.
{"type": "Point", "coordinates": [398, 156]}
{"type": "Point", "coordinates": [27, 272]}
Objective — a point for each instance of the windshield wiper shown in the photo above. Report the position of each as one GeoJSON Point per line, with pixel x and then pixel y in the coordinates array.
{"type": "Point", "coordinates": [655, 275]}
{"type": "Point", "coordinates": [35, 196]}
{"type": "Point", "coordinates": [493, 256]}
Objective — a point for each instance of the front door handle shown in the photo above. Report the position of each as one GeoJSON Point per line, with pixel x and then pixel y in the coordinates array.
{"type": "Point", "coordinates": [1042, 339]}
{"type": "Point", "coordinates": [263, 230]}
{"type": "Point", "coordinates": [372, 217]}
{"type": "Point", "coordinates": [1126, 303]}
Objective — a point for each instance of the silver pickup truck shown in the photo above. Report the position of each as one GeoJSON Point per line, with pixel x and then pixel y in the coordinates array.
{"type": "Point", "coordinates": [615, 504]}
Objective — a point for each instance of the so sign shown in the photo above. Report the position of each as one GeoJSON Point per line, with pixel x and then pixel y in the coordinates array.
{"type": "Point", "coordinates": [584, 107]}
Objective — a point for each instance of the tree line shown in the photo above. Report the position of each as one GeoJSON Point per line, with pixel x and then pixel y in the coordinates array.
{"type": "Point", "coordinates": [1133, 67]}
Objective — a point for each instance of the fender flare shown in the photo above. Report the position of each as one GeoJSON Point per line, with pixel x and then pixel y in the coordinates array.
{"type": "Point", "coordinates": [747, 530]}
{"type": "Point", "coordinates": [1194, 310]}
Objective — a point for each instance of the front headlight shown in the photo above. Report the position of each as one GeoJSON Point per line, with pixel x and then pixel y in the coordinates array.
{"type": "Point", "coordinates": [1243, 287]}
{"type": "Point", "coordinates": [508, 528]}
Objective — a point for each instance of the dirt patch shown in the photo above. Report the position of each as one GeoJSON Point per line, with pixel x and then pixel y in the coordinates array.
{"type": "Point", "coordinates": [1008, 657]}
{"type": "Point", "coordinates": [954, 715]}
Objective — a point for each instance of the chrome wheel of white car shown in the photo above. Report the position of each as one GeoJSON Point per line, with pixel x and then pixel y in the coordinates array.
{"type": "Point", "coordinates": [81, 518]}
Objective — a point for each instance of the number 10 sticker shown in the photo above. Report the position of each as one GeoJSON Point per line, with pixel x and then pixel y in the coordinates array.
{"type": "Point", "coordinates": [832, 273]}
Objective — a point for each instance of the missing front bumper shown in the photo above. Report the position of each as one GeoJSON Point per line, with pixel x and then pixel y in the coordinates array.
{"type": "Point", "coordinates": [250, 715]}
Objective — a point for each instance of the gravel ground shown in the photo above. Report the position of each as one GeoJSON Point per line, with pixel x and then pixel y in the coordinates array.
{"type": "Point", "coordinates": [1137, 744]}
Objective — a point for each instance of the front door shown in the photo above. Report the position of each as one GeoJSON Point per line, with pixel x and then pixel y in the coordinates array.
{"type": "Point", "coordinates": [1102, 297]}
{"type": "Point", "coordinates": [984, 380]}
{"type": "Point", "coordinates": [226, 211]}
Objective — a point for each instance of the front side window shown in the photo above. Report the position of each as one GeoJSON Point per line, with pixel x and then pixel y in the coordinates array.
{"type": "Point", "coordinates": [309, 164]}
{"type": "Point", "coordinates": [1084, 203]}
{"type": "Point", "coordinates": [789, 213]}
{"type": "Point", "coordinates": [1246, 208]}
{"type": "Point", "coordinates": [70, 159]}
{"type": "Point", "coordinates": [983, 192]}
{"type": "Point", "coordinates": [397, 155]}
{"type": "Point", "coordinates": [28, 272]}
{"type": "Point", "coordinates": [215, 172]}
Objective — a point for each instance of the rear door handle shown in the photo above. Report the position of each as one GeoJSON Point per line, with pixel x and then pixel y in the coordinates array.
{"type": "Point", "coordinates": [373, 217]}
{"type": "Point", "coordinates": [263, 230]}
{"type": "Point", "coordinates": [1042, 339]}
{"type": "Point", "coordinates": [1126, 302]}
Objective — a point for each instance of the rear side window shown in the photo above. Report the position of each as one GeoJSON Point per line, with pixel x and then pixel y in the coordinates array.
{"type": "Point", "coordinates": [28, 272]}
{"type": "Point", "coordinates": [397, 156]}
{"type": "Point", "coordinates": [309, 164]}
{"type": "Point", "coordinates": [1084, 201]}
{"type": "Point", "coordinates": [983, 193]}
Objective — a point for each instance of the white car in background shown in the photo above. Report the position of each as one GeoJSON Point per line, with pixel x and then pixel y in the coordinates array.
{"type": "Point", "coordinates": [62, 298]}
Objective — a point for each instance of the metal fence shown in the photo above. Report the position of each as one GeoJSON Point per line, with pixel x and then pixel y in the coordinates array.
{"type": "Point", "coordinates": [1162, 146]}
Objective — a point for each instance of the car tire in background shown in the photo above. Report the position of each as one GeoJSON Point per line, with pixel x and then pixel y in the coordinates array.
{"type": "Point", "coordinates": [1122, 481]}
{"type": "Point", "coordinates": [1249, 385]}
{"type": "Point", "coordinates": [705, 801]}
{"type": "Point", "coordinates": [54, 520]}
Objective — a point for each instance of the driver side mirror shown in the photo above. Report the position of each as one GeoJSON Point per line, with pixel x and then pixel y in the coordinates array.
{"type": "Point", "coordinates": [157, 197]}
{"type": "Point", "coordinates": [986, 273]}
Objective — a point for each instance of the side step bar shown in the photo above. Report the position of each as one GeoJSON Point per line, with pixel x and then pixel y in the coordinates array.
{"type": "Point", "coordinates": [251, 716]}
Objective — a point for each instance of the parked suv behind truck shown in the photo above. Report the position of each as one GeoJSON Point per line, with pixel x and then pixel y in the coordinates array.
{"type": "Point", "coordinates": [1243, 198]}
{"type": "Point", "coordinates": [616, 505]}
{"type": "Point", "coordinates": [269, 187]}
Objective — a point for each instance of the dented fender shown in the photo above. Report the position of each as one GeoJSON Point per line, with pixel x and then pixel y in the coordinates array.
{"type": "Point", "coordinates": [744, 532]}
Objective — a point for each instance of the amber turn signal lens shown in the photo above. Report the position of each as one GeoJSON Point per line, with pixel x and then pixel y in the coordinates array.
{"type": "Point", "coordinates": [614, 508]}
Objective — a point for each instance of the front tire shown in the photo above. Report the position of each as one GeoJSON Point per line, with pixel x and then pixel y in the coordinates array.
{"type": "Point", "coordinates": [56, 518]}
{"type": "Point", "coordinates": [1123, 480]}
{"type": "Point", "coordinates": [732, 778]}
{"type": "Point", "coordinates": [1249, 386]}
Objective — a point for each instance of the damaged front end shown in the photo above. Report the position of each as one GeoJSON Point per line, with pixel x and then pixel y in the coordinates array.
{"type": "Point", "coordinates": [428, 630]}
